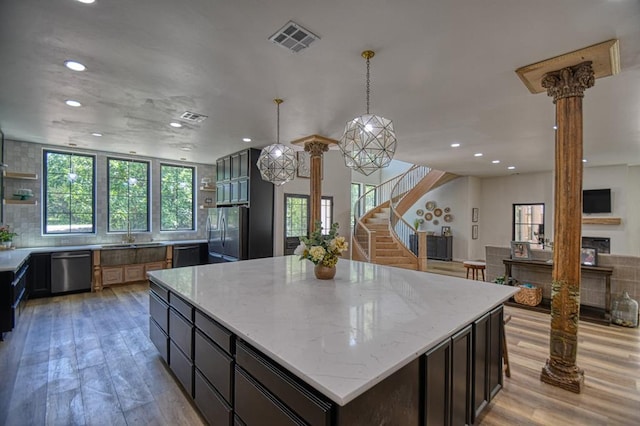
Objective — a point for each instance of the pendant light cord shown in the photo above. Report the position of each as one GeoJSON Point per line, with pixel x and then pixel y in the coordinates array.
{"type": "Point", "coordinates": [278, 125]}
{"type": "Point", "coordinates": [368, 86]}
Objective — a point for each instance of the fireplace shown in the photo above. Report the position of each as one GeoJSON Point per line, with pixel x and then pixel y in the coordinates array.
{"type": "Point", "coordinates": [602, 244]}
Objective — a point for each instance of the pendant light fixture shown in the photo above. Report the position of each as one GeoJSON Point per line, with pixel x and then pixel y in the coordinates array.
{"type": "Point", "coordinates": [369, 141]}
{"type": "Point", "coordinates": [277, 162]}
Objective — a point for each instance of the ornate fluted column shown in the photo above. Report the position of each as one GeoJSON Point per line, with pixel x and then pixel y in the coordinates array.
{"type": "Point", "coordinates": [316, 146]}
{"type": "Point", "coordinates": [566, 87]}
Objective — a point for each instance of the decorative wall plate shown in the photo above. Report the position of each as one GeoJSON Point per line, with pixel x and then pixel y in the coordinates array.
{"type": "Point", "coordinates": [421, 220]}
{"type": "Point", "coordinates": [437, 212]}
{"type": "Point", "coordinates": [436, 221]}
{"type": "Point", "coordinates": [419, 212]}
{"type": "Point", "coordinates": [448, 218]}
{"type": "Point", "coordinates": [430, 205]}
{"type": "Point", "coordinates": [447, 209]}
{"type": "Point", "coordinates": [428, 216]}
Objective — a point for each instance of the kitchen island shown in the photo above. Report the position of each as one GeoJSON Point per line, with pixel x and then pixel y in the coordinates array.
{"type": "Point", "coordinates": [264, 342]}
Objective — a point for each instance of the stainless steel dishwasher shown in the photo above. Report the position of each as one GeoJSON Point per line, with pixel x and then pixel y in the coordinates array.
{"type": "Point", "coordinates": [70, 271]}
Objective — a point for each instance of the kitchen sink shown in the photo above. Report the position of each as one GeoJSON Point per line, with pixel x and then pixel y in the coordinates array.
{"type": "Point", "coordinates": [130, 245]}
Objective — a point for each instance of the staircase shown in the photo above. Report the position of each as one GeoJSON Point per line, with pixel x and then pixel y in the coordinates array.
{"type": "Point", "coordinates": [388, 251]}
{"type": "Point", "coordinates": [381, 235]}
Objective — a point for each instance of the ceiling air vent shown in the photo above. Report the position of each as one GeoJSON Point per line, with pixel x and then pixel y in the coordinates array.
{"type": "Point", "coordinates": [193, 117]}
{"type": "Point", "coordinates": [293, 37]}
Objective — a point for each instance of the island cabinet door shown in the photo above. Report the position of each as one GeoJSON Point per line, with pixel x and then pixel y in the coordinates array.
{"type": "Point", "coordinates": [461, 377]}
{"type": "Point", "coordinates": [481, 359]}
{"type": "Point", "coordinates": [214, 365]}
{"type": "Point", "coordinates": [496, 328]}
{"type": "Point", "coordinates": [437, 404]}
{"type": "Point", "coordinates": [277, 390]}
{"type": "Point", "coordinates": [212, 406]}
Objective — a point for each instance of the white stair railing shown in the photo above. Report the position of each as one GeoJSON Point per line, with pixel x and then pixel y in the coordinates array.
{"type": "Point", "coordinates": [400, 228]}
{"type": "Point", "coordinates": [387, 192]}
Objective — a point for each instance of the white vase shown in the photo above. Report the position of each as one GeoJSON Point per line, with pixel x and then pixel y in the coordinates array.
{"type": "Point", "coordinates": [6, 244]}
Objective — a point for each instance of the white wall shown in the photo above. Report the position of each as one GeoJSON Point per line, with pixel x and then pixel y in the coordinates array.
{"type": "Point", "coordinates": [500, 193]}
{"type": "Point", "coordinates": [336, 183]}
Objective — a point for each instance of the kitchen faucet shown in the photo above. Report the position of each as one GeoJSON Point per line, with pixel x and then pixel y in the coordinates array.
{"type": "Point", "coordinates": [129, 238]}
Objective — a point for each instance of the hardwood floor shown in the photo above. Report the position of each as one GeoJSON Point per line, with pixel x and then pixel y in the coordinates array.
{"type": "Point", "coordinates": [86, 359]}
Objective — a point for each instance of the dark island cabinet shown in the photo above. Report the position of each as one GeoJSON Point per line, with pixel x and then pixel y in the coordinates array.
{"type": "Point", "coordinates": [39, 276]}
{"type": "Point", "coordinates": [233, 383]}
{"type": "Point", "coordinates": [13, 288]}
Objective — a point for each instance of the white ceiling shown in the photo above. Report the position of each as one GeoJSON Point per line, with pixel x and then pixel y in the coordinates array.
{"type": "Point", "coordinates": [443, 71]}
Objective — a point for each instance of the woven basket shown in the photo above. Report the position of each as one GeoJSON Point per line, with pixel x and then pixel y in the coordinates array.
{"type": "Point", "coordinates": [528, 296]}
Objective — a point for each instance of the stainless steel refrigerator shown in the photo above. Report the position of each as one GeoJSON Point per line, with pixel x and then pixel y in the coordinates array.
{"type": "Point", "coordinates": [228, 234]}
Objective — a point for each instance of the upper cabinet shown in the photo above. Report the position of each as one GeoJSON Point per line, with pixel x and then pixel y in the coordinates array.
{"type": "Point", "coordinates": [238, 178]}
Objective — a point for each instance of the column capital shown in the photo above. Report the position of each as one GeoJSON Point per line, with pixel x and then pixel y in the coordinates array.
{"type": "Point", "coordinates": [316, 148]}
{"type": "Point", "coordinates": [569, 82]}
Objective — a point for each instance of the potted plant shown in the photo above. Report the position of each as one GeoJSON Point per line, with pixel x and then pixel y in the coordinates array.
{"type": "Point", "coordinates": [6, 236]}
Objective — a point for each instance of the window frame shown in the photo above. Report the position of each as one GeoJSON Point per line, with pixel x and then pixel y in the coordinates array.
{"type": "Point", "coordinates": [531, 224]}
{"type": "Point", "coordinates": [148, 196]}
{"type": "Point", "coordinates": [45, 193]}
{"type": "Point", "coordinates": [193, 197]}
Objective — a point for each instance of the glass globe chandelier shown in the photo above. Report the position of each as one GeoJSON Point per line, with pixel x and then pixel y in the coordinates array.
{"type": "Point", "coordinates": [277, 162]}
{"type": "Point", "coordinates": [369, 141]}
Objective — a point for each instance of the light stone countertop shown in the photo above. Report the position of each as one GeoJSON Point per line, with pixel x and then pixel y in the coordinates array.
{"type": "Point", "coordinates": [340, 336]}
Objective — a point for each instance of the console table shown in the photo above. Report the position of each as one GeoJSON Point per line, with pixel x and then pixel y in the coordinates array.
{"type": "Point", "coordinates": [604, 272]}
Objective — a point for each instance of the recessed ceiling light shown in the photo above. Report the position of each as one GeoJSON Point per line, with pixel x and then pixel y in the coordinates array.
{"type": "Point", "coordinates": [73, 103]}
{"type": "Point", "coordinates": [511, 167]}
{"type": "Point", "coordinates": [246, 139]}
{"type": "Point", "coordinates": [478, 154]}
{"type": "Point", "coordinates": [74, 66]}
{"type": "Point", "coordinates": [73, 144]}
{"type": "Point", "coordinates": [87, 1]}
{"type": "Point", "coordinates": [185, 148]}
{"type": "Point", "coordinates": [96, 134]}
{"type": "Point", "coordinates": [455, 145]}
{"type": "Point", "coordinates": [584, 160]}
{"type": "Point", "coordinates": [555, 127]}
{"type": "Point", "coordinates": [175, 124]}
{"type": "Point", "coordinates": [496, 161]}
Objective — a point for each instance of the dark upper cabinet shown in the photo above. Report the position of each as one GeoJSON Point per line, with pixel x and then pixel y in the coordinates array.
{"type": "Point", "coordinates": [39, 275]}
{"type": "Point", "coordinates": [239, 181]}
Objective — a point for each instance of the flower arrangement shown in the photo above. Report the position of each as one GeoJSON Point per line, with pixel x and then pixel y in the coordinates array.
{"type": "Point", "coordinates": [5, 234]}
{"type": "Point", "coordinates": [322, 249]}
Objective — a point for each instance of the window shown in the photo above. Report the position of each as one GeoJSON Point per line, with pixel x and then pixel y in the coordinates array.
{"type": "Point", "coordinates": [370, 200]}
{"type": "Point", "coordinates": [176, 198]}
{"type": "Point", "coordinates": [68, 193]}
{"type": "Point", "coordinates": [326, 214]}
{"type": "Point", "coordinates": [528, 223]}
{"type": "Point", "coordinates": [128, 187]}
{"type": "Point", "coordinates": [355, 195]}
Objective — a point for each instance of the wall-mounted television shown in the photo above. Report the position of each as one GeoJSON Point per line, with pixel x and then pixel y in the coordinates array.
{"type": "Point", "coordinates": [596, 201]}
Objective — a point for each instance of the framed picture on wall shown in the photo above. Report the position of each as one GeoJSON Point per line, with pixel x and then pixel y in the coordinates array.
{"type": "Point", "coordinates": [474, 232]}
{"type": "Point", "coordinates": [304, 164]}
{"type": "Point", "coordinates": [474, 214]}
{"type": "Point", "coordinates": [446, 231]}
{"type": "Point", "coordinates": [520, 250]}
{"type": "Point", "coordinates": [589, 256]}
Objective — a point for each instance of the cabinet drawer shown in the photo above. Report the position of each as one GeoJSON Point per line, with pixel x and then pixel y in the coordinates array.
{"type": "Point", "coordinates": [220, 335]}
{"type": "Point", "coordinates": [304, 403]}
{"type": "Point", "coordinates": [181, 332]}
{"type": "Point", "coordinates": [215, 365]}
{"type": "Point", "coordinates": [134, 273]}
{"type": "Point", "coordinates": [214, 409]}
{"type": "Point", "coordinates": [159, 339]}
{"type": "Point", "coordinates": [112, 275]}
{"type": "Point", "coordinates": [181, 367]}
{"type": "Point", "coordinates": [160, 291]}
{"type": "Point", "coordinates": [256, 407]}
{"type": "Point", "coordinates": [159, 311]}
{"type": "Point", "coordinates": [153, 266]}
{"type": "Point", "coordinates": [181, 306]}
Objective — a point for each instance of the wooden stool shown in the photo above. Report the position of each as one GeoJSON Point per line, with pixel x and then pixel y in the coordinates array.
{"type": "Point", "coordinates": [505, 354]}
{"type": "Point", "coordinates": [474, 266]}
